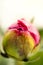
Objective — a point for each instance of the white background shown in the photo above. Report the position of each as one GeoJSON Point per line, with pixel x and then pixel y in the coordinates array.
{"type": "Point", "coordinates": [10, 10]}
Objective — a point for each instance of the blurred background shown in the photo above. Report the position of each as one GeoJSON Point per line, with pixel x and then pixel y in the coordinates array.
{"type": "Point", "coordinates": [11, 10]}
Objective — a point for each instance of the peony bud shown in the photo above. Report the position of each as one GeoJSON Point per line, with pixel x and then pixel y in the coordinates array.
{"type": "Point", "coordinates": [20, 40]}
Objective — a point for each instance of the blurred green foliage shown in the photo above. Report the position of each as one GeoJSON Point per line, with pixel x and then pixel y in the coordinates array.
{"type": "Point", "coordinates": [4, 61]}
{"type": "Point", "coordinates": [1, 31]}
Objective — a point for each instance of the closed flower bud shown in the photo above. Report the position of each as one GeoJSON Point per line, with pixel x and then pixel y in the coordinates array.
{"type": "Point", "coordinates": [20, 40]}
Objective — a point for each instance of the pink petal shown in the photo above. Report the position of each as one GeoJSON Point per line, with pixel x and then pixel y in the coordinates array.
{"type": "Point", "coordinates": [34, 32]}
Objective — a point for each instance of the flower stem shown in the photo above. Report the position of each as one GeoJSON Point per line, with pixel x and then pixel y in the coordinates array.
{"type": "Point", "coordinates": [19, 63]}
